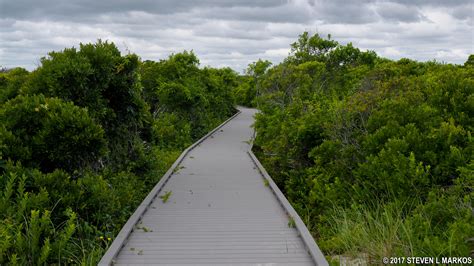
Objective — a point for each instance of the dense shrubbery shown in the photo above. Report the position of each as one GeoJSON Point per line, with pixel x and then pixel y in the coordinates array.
{"type": "Point", "coordinates": [247, 90]}
{"type": "Point", "coordinates": [364, 147]}
{"type": "Point", "coordinates": [39, 132]}
{"type": "Point", "coordinates": [11, 83]}
{"type": "Point", "coordinates": [179, 87]}
{"type": "Point", "coordinates": [98, 78]}
{"type": "Point", "coordinates": [84, 137]}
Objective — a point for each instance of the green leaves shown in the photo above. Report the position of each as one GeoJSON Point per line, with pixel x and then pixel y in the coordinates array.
{"type": "Point", "coordinates": [311, 48]}
{"type": "Point", "coordinates": [470, 61]}
{"type": "Point", "coordinates": [176, 95]}
{"type": "Point", "coordinates": [339, 126]}
{"type": "Point", "coordinates": [169, 131]}
{"type": "Point", "coordinates": [11, 83]}
{"type": "Point", "coordinates": [49, 133]}
{"type": "Point", "coordinates": [248, 88]}
{"type": "Point", "coordinates": [28, 233]}
{"type": "Point", "coordinates": [98, 78]}
{"type": "Point", "coordinates": [177, 89]}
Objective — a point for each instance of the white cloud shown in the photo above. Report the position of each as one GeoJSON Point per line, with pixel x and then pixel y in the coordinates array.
{"type": "Point", "coordinates": [450, 55]}
{"type": "Point", "coordinates": [277, 52]}
{"type": "Point", "coordinates": [390, 52]}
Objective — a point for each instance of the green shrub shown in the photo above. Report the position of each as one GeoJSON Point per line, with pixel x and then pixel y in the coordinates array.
{"type": "Point", "coordinates": [49, 133]}
{"type": "Point", "coordinates": [28, 236]}
{"type": "Point", "coordinates": [169, 131]}
{"type": "Point", "coordinates": [438, 227]}
{"type": "Point", "coordinates": [341, 127]}
{"type": "Point", "coordinates": [248, 88]}
{"type": "Point", "coordinates": [98, 78]}
{"type": "Point", "coordinates": [11, 83]}
{"type": "Point", "coordinates": [177, 89]}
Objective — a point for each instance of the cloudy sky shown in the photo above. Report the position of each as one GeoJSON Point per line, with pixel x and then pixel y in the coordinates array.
{"type": "Point", "coordinates": [235, 32]}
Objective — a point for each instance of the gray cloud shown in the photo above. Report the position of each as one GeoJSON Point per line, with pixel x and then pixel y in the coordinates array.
{"type": "Point", "coordinates": [442, 3]}
{"type": "Point", "coordinates": [61, 9]}
{"type": "Point", "coordinates": [398, 13]}
{"type": "Point", "coordinates": [288, 12]}
{"type": "Point", "coordinates": [464, 12]}
{"type": "Point", "coordinates": [232, 32]}
{"type": "Point", "coordinates": [341, 11]}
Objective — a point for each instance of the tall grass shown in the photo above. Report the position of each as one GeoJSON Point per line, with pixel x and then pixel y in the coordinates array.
{"type": "Point", "coordinates": [377, 231]}
{"type": "Point", "coordinates": [398, 228]}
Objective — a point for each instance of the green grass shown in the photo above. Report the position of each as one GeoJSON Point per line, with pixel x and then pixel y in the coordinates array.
{"type": "Point", "coordinates": [397, 229]}
{"type": "Point", "coordinates": [291, 222]}
{"type": "Point", "coordinates": [165, 197]}
{"type": "Point", "coordinates": [145, 229]}
{"type": "Point", "coordinates": [266, 182]}
{"type": "Point", "coordinates": [379, 232]}
{"type": "Point", "coordinates": [177, 169]}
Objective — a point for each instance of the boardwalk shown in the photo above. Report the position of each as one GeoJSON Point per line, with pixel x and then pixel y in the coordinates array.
{"type": "Point", "coordinates": [219, 211]}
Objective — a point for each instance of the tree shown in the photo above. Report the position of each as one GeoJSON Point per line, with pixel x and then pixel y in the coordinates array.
{"type": "Point", "coordinates": [469, 61]}
{"type": "Point", "coordinates": [12, 82]}
{"type": "Point", "coordinates": [97, 77]}
{"type": "Point", "coordinates": [49, 133]}
{"type": "Point", "coordinates": [311, 48]}
{"type": "Point", "coordinates": [246, 92]}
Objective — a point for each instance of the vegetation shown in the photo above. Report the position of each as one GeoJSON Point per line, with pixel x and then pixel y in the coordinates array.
{"type": "Point", "coordinates": [165, 197]}
{"type": "Point", "coordinates": [247, 89]}
{"type": "Point", "coordinates": [375, 155]}
{"type": "Point", "coordinates": [83, 139]}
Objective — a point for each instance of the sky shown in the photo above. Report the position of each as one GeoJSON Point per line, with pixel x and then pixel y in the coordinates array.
{"type": "Point", "coordinates": [234, 33]}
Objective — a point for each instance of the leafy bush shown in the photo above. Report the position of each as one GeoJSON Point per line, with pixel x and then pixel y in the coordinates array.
{"type": "Point", "coordinates": [49, 133]}
{"type": "Point", "coordinates": [28, 236]}
{"type": "Point", "coordinates": [11, 83]}
{"type": "Point", "coordinates": [99, 79]}
{"type": "Point", "coordinates": [96, 76]}
{"type": "Point", "coordinates": [247, 90]}
{"type": "Point", "coordinates": [340, 128]}
{"type": "Point", "coordinates": [169, 131]}
{"type": "Point", "coordinates": [177, 89]}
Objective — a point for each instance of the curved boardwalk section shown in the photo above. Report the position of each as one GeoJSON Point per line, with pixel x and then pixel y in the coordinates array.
{"type": "Point", "coordinates": [216, 209]}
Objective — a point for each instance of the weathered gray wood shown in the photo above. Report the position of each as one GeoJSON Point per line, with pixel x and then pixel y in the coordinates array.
{"type": "Point", "coordinates": [220, 211]}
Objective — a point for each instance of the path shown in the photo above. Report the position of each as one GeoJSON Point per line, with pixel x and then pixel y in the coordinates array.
{"type": "Point", "coordinates": [220, 211]}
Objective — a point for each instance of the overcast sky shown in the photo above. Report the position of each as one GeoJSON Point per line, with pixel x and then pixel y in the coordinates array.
{"type": "Point", "coordinates": [235, 32]}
